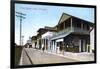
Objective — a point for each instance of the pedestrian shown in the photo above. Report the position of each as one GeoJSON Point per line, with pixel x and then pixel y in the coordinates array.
{"type": "Point", "coordinates": [43, 48]}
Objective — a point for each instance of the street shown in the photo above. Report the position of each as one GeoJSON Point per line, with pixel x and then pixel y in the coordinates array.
{"type": "Point", "coordinates": [40, 57]}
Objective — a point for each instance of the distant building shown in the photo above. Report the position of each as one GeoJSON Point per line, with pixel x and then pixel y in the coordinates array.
{"type": "Point", "coordinates": [40, 34]}
{"type": "Point", "coordinates": [46, 39]}
{"type": "Point", "coordinates": [29, 43]}
{"type": "Point", "coordinates": [34, 41]}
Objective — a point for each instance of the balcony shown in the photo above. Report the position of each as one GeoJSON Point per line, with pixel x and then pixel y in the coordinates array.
{"type": "Point", "coordinates": [65, 31]}
{"type": "Point", "coordinates": [80, 31]}
{"type": "Point", "coordinates": [68, 31]}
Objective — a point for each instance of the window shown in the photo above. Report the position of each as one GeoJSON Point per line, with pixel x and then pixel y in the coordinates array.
{"type": "Point", "coordinates": [77, 22]}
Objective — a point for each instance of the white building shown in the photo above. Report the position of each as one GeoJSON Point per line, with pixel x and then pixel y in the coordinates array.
{"type": "Point", "coordinates": [46, 42]}
{"type": "Point", "coordinates": [92, 42]}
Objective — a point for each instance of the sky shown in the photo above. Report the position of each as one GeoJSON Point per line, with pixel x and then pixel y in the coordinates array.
{"type": "Point", "coordinates": [39, 16]}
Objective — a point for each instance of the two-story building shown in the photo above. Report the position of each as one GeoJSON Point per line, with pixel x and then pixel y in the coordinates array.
{"type": "Point", "coordinates": [40, 37]}
{"type": "Point", "coordinates": [46, 38]}
{"type": "Point", "coordinates": [72, 34]}
{"type": "Point", "coordinates": [40, 32]}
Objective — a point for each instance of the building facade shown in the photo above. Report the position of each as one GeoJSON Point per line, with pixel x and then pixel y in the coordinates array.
{"type": "Point", "coordinates": [43, 36]}
{"type": "Point", "coordinates": [34, 41]}
{"type": "Point", "coordinates": [92, 39]}
{"type": "Point", "coordinates": [46, 40]}
{"type": "Point", "coordinates": [72, 34]}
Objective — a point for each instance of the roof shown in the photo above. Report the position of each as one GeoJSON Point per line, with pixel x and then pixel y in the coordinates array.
{"type": "Point", "coordinates": [45, 29]}
{"type": "Point", "coordinates": [33, 37]}
{"type": "Point", "coordinates": [66, 16]}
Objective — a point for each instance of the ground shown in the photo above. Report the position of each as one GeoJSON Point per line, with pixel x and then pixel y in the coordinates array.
{"type": "Point", "coordinates": [18, 51]}
{"type": "Point", "coordinates": [32, 56]}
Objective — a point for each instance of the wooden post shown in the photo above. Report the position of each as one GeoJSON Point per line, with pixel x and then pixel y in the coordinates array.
{"type": "Point", "coordinates": [81, 24]}
{"type": "Point", "coordinates": [63, 48]}
{"type": "Point", "coordinates": [45, 44]}
{"type": "Point", "coordinates": [71, 23]}
{"type": "Point", "coordinates": [64, 25]}
{"type": "Point", "coordinates": [80, 45]}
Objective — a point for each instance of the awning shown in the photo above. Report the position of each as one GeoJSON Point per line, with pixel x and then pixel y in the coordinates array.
{"type": "Point", "coordinates": [60, 36]}
{"type": "Point", "coordinates": [60, 40]}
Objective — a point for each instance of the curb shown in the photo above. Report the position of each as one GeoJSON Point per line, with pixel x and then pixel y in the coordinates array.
{"type": "Point", "coordinates": [29, 58]}
{"type": "Point", "coordinates": [65, 56]}
{"type": "Point", "coordinates": [20, 61]}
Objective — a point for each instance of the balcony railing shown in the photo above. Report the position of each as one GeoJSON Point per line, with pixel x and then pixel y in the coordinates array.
{"type": "Point", "coordinates": [79, 30]}
{"type": "Point", "coordinates": [71, 30]}
{"type": "Point", "coordinates": [67, 30]}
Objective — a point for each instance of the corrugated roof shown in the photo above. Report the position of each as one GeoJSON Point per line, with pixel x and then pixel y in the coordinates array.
{"type": "Point", "coordinates": [64, 17]}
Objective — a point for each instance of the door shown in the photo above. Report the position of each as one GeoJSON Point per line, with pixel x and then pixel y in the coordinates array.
{"type": "Point", "coordinates": [82, 45]}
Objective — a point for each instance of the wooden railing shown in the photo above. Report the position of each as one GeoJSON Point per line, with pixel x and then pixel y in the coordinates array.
{"type": "Point", "coordinates": [70, 30]}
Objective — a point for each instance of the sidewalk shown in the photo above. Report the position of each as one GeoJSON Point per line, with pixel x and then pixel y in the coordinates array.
{"type": "Point", "coordinates": [83, 56]}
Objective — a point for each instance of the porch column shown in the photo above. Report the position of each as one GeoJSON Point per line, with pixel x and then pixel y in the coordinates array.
{"type": "Point", "coordinates": [56, 46]}
{"type": "Point", "coordinates": [53, 46]}
{"type": "Point", "coordinates": [89, 49]}
{"type": "Point", "coordinates": [41, 43]}
{"type": "Point", "coordinates": [81, 24]}
{"type": "Point", "coordinates": [45, 44]}
{"type": "Point", "coordinates": [49, 44]}
{"type": "Point", "coordinates": [80, 45]}
{"type": "Point", "coordinates": [71, 23]}
{"type": "Point", "coordinates": [38, 43]}
{"type": "Point", "coordinates": [64, 25]}
{"type": "Point", "coordinates": [84, 46]}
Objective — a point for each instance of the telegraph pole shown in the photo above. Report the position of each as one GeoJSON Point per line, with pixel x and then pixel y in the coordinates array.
{"type": "Point", "coordinates": [21, 16]}
{"type": "Point", "coordinates": [22, 40]}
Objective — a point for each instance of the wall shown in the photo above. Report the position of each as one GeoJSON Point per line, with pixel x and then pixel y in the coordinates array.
{"type": "Point", "coordinates": [92, 40]}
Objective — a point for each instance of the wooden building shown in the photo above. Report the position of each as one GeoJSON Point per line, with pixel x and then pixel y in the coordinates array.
{"type": "Point", "coordinates": [72, 34]}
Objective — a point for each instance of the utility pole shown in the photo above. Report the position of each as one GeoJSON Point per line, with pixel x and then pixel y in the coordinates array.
{"type": "Point", "coordinates": [21, 16]}
{"type": "Point", "coordinates": [22, 40]}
